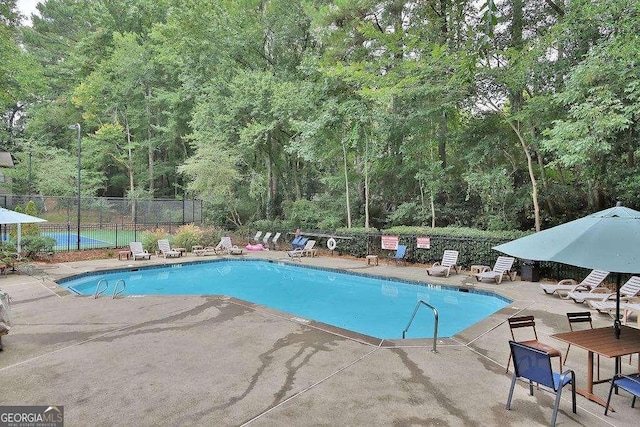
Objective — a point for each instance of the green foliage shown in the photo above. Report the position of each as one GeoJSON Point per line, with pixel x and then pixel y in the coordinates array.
{"type": "Point", "coordinates": [305, 214]}
{"type": "Point", "coordinates": [408, 213]}
{"type": "Point", "coordinates": [7, 252]}
{"type": "Point", "coordinates": [211, 236]}
{"type": "Point", "coordinates": [32, 245]}
{"type": "Point", "coordinates": [277, 110]}
{"type": "Point", "coordinates": [150, 239]}
{"type": "Point", "coordinates": [186, 236]}
{"type": "Point", "coordinates": [31, 229]}
{"type": "Point", "coordinates": [474, 246]}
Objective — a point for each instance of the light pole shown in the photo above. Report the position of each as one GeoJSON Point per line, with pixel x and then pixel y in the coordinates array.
{"type": "Point", "coordinates": [77, 126]}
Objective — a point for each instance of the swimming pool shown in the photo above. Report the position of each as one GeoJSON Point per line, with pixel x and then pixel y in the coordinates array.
{"type": "Point", "coordinates": [372, 306]}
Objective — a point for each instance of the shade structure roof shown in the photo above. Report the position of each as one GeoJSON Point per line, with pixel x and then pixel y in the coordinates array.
{"type": "Point", "coordinates": [12, 217]}
{"type": "Point", "coordinates": [608, 240]}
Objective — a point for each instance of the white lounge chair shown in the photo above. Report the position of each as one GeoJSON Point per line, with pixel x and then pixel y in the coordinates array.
{"type": "Point", "coordinates": [631, 309]}
{"type": "Point", "coordinates": [274, 242]}
{"type": "Point", "coordinates": [265, 239]}
{"type": "Point", "coordinates": [137, 252]}
{"type": "Point", "coordinates": [165, 249]}
{"type": "Point", "coordinates": [593, 280]}
{"type": "Point", "coordinates": [226, 246]}
{"type": "Point", "coordinates": [500, 269]}
{"type": "Point", "coordinates": [5, 315]}
{"type": "Point", "coordinates": [295, 254]}
{"type": "Point", "coordinates": [307, 250]}
{"type": "Point", "coordinates": [601, 293]}
{"type": "Point", "coordinates": [609, 306]}
{"type": "Point", "coordinates": [207, 250]}
{"type": "Point", "coordinates": [256, 238]}
{"type": "Point", "coordinates": [627, 308]}
{"type": "Point", "coordinates": [449, 261]}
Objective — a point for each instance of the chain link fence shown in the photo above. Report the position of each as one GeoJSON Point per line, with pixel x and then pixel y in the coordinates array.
{"type": "Point", "coordinates": [103, 222]}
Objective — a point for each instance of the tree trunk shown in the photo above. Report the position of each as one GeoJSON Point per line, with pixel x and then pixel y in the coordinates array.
{"type": "Point", "coordinates": [366, 183]}
{"type": "Point", "coordinates": [532, 176]}
{"type": "Point", "coordinates": [346, 182]}
{"type": "Point", "coordinates": [150, 143]}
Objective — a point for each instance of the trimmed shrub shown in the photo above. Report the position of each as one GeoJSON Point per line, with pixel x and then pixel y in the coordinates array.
{"type": "Point", "coordinates": [32, 246]}
{"type": "Point", "coordinates": [187, 236]}
{"type": "Point", "coordinates": [150, 239]}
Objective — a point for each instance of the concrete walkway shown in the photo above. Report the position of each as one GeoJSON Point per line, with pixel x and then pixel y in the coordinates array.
{"type": "Point", "coordinates": [213, 360]}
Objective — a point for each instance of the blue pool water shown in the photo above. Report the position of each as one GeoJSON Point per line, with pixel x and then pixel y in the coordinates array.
{"type": "Point", "coordinates": [377, 307]}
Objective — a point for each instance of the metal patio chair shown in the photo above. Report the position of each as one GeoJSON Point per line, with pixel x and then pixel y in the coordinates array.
{"type": "Point", "coordinates": [535, 365]}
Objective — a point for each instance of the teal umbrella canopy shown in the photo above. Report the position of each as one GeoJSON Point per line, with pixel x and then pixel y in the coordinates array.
{"type": "Point", "coordinates": [607, 240]}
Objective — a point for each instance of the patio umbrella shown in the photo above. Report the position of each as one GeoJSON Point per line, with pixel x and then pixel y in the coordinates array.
{"type": "Point", "coordinates": [606, 240]}
{"type": "Point", "coordinates": [12, 217]}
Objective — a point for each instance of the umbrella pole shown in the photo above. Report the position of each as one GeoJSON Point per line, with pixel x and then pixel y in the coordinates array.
{"type": "Point", "coordinates": [616, 323]}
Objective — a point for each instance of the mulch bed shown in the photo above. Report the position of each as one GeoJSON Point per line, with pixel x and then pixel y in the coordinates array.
{"type": "Point", "coordinates": [85, 255]}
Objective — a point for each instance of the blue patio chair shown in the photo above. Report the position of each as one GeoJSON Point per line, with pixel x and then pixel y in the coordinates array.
{"type": "Point", "coordinates": [400, 255]}
{"type": "Point", "coordinates": [630, 383]}
{"type": "Point", "coordinates": [535, 365]}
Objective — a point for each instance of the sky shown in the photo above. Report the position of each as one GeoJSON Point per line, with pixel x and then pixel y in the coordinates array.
{"type": "Point", "coordinates": [27, 7]}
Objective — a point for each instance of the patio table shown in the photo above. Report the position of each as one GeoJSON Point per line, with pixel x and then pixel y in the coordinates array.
{"type": "Point", "coordinates": [602, 341]}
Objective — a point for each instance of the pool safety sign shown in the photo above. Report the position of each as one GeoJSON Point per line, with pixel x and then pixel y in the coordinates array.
{"type": "Point", "coordinates": [31, 416]}
{"type": "Point", "coordinates": [390, 242]}
{"type": "Point", "coordinates": [423, 242]}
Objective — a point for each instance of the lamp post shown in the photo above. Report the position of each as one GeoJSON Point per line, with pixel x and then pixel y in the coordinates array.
{"type": "Point", "coordinates": [77, 126]}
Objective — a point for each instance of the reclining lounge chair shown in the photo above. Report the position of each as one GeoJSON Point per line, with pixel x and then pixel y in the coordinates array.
{"type": "Point", "coordinates": [629, 290]}
{"type": "Point", "coordinates": [593, 280]}
{"type": "Point", "coordinates": [207, 250]}
{"type": "Point", "coordinates": [137, 252]}
{"type": "Point", "coordinates": [501, 269]}
{"type": "Point", "coordinates": [226, 246]}
{"type": "Point", "coordinates": [165, 248]}
{"type": "Point", "coordinates": [307, 250]}
{"type": "Point", "coordinates": [449, 261]}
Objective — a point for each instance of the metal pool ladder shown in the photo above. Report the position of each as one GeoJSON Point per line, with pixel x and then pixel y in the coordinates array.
{"type": "Point", "coordinates": [435, 328]}
{"type": "Point", "coordinates": [103, 286]}
{"type": "Point", "coordinates": [99, 291]}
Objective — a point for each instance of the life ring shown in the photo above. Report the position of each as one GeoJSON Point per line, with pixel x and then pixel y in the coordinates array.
{"type": "Point", "coordinates": [331, 244]}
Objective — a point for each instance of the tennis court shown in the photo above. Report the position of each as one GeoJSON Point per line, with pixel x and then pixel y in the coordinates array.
{"type": "Point", "coordinates": [93, 239]}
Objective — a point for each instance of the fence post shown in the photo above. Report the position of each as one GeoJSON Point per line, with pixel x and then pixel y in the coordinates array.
{"type": "Point", "coordinates": [135, 220]}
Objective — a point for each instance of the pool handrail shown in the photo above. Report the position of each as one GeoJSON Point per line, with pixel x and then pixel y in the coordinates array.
{"type": "Point", "coordinates": [117, 292]}
{"type": "Point", "coordinates": [435, 328]}
{"type": "Point", "coordinates": [99, 291]}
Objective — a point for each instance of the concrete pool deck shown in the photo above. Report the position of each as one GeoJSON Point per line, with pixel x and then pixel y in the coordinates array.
{"type": "Point", "coordinates": [211, 360]}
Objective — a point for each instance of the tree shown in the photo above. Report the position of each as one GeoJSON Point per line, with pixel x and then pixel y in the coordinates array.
{"type": "Point", "coordinates": [598, 138]}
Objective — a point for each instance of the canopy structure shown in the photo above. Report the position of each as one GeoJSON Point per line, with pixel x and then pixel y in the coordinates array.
{"type": "Point", "coordinates": [12, 217]}
{"type": "Point", "coordinates": [607, 240]}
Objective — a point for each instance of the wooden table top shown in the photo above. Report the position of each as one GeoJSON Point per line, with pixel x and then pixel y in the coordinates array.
{"type": "Point", "coordinates": [603, 341]}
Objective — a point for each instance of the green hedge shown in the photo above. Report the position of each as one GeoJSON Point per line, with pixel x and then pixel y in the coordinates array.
{"type": "Point", "coordinates": [474, 246]}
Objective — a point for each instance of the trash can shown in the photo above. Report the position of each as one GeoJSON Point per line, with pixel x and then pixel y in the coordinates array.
{"type": "Point", "coordinates": [530, 270]}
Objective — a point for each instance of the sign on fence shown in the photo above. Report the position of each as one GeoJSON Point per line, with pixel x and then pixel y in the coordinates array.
{"type": "Point", "coordinates": [390, 242]}
{"type": "Point", "coordinates": [423, 242]}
